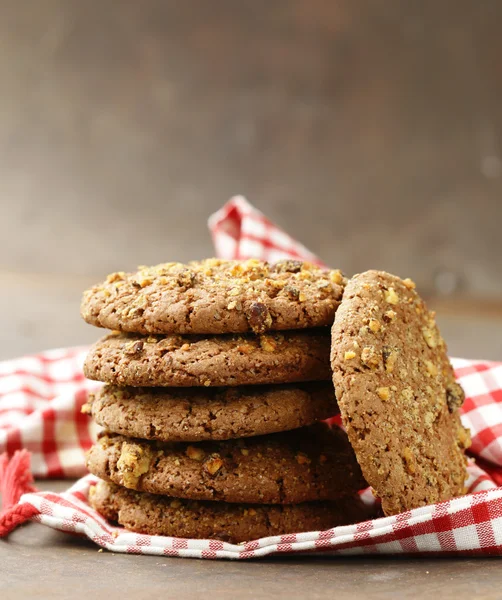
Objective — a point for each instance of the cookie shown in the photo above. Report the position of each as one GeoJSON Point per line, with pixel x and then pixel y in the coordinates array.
{"type": "Point", "coordinates": [234, 523]}
{"type": "Point", "coordinates": [197, 414]}
{"type": "Point", "coordinates": [216, 296]}
{"type": "Point", "coordinates": [397, 393]}
{"type": "Point", "coordinates": [184, 361]}
{"type": "Point", "coordinates": [308, 464]}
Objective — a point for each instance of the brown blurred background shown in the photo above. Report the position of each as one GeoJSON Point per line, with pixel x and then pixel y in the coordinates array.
{"type": "Point", "coordinates": [369, 130]}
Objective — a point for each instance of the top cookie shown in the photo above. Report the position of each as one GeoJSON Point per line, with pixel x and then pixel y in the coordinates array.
{"type": "Point", "coordinates": [397, 393]}
{"type": "Point", "coordinates": [216, 296]}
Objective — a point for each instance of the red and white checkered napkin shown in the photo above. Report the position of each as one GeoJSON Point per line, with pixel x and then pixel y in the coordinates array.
{"type": "Point", "coordinates": [41, 397]}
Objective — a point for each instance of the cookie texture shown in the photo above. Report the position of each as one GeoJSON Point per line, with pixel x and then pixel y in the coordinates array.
{"type": "Point", "coordinates": [234, 523]}
{"type": "Point", "coordinates": [397, 393]}
{"type": "Point", "coordinates": [308, 464]}
{"type": "Point", "coordinates": [225, 360]}
{"type": "Point", "coordinates": [216, 296]}
{"type": "Point", "coordinates": [197, 414]}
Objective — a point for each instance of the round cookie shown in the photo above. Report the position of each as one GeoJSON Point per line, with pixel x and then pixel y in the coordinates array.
{"type": "Point", "coordinates": [397, 393]}
{"type": "Point", "coordinates": [222, 360]}
{"type": "Point", "coordinates": [314, 463]}
{"type": "Point", "coordinates": [216, 296]}
{"type": "Point", "coordinates": [195, 414]}
{"type": "Point", "coordinates": [234, 523]}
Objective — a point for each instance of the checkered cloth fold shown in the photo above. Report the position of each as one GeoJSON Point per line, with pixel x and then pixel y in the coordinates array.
{"type": "Point", "coordinates": [41, 397]}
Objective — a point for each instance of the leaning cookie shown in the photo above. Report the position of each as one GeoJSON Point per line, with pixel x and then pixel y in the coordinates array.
{"type": "Point", "coordinates": [216, 296]}
{"type": "Point", "coordinates": [397, 393]}
{"type": "Point", "coordinates": [234, 523]}
{"type": "Point", "coordinates": [197, 414]}
{"type": "Point", "coordinates": [309, 464]}
{"type": "Point", "coordinates": [221, 360]}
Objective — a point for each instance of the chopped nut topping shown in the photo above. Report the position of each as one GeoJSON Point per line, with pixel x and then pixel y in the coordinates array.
{"type": "Point", "coordinates": [463, 437]}
{"type": "Point", "coordinates": [302, 297]}
{"type": "Point", "coordinates": [207, 383]}
{"type": "Point", "coordinates": [390, 296]}
{"type": "Point", "coordinates": [234, 291]}
{"type": "Point", "coordinates": [145, 281]}
{"type": "Point", "coordinates": [133, 347]}
{"type": "Point", "coordinates": [408, 395]}
{"type": "Point", "coordinates": [268, 343]}
{"type": "Point", "coordinates": [431, 368]}
{"type": "Point", "coordinates": [304, 274]}
{"type": "Point", "coordinates": [86, 409]}
{"type": "Point", "coordinates": [323, 286]}
{"type": "Point", "coordinates": [409, 460]}
{"type": "Point", "coordinates": [231, 305]}
{"type": "Point", "coordinates": [288, 266]}
{"type": "Point", "coordinates": [195, 453]}
{"type": "Point", "coordinates": [185, 347]}
{"type": "Point", "coordinates": [389, 316]}
{"type": "Point", "coordinates": [134, 462]}
{"type": "Point", "coordinates": [369, 357]}
{"type": "Point", "coordinates": [302, 459]}
{"type": "Point", "coordinates": [292, 292]}
{"type": "Point", "coordinates": [245, 348]}
{"type": "Point", "coordinates": [175, 503]}
{"type": "Point", "coordinates": [410, 284]}
{"type": "Point", "coordinates": [244, 451]}
{"type": "Point", "coordinates": [384, 393]}
{"type": "Point", "coordinates": [213, 464]}
{"type": "Point", "coordinates": [186, 278]}
{"type": "Point", "coordinates": [389, 358]}
{"type": "Point", "coordinates": [349, 355]}
{"type": "Point", "coordinates": [251, 512]}
{"type": "Point", "coordinates": [429, 337]}
{"type": "Point", "coordinates": [113, 277]}
{"type": "Point", "coordinates": [336, 276]}
{"type": "Point", "coordinates": [258, 317]}
{"type": "Point", "coordinates": [374, 325]}
{"type": "Point", "coordinates": [454, 396]}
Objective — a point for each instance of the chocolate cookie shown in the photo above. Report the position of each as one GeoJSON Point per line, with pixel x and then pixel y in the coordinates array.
{"type": "Point", "coordinates": [234, 523]}
{"type": "Point", "coordinates": [397, 393]}
{"type": "Point", "coordinates": [224, 360]}
{"type": "Point", "coordinates": [313, 463]}
{"type": "Point", "coordinates": [216, 296]}
{"type": "Point", "coordinates": [197, 414]}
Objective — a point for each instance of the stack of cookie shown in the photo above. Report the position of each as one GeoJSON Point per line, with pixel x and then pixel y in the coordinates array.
{"type": "Point", "coordinates": [216, 374]}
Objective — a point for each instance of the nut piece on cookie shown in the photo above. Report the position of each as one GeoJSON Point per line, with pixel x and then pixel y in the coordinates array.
{"type": "Point", "coordinates": [134, 462]}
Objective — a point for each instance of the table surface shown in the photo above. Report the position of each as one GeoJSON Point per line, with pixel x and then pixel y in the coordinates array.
{"type": "Point", "coordinates": [37, 562]}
